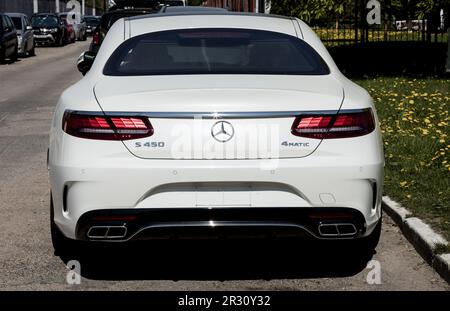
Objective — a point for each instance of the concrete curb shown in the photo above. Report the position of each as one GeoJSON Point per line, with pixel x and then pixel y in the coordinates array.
{"type": "Point", "coordinates": [441, 264]}
{"type": "Point", "coordinates": [420, 235]}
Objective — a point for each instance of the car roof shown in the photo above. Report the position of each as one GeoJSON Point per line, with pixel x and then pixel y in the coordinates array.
{"type": "Point", "coordinates": [135, 3]}
{"type": "Point", "coordinates": [46, 14]}
{"type": "Point", "coordinates": [138, 25]}
{"type": "Point", "coordinates": [16, 14]}
{"type": "Point", "coordinates": [206, 13]}
{"type": "Point", "coordinates": [191, 9]}
{"type": "Point", "coordinates": [119, 11]}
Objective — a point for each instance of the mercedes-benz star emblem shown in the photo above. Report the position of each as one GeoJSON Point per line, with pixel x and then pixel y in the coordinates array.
{"type": "Point", "coordinates": [222, 131]}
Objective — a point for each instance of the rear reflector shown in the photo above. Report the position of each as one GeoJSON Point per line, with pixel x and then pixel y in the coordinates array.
{"type": "Point", "coordinates": [102, 127]}
{"type": "Point", "coordinates": [343, 125]}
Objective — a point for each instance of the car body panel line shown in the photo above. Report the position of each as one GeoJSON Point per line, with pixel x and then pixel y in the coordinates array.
{"type": "Point", "coordinates": [219, 115]}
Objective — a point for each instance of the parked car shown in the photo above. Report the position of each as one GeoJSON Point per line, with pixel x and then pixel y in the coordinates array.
{"type": "Point", "coordinates": [48, 28]}
{"type": "Point", "coordinates": [8, 39]}
{"type": "Point", "coordinates": [218, 124]}
{"type": "Point", "coordinates": [174, 3]}
{"type": "Point", "coordinates": [25, 35]}
{"type": "Point", "coordinates": [70, 36]}
{"type": "Point", "coordinates": [109, 18]}
{"type": "Point", "coordinates": [91, 23]}
{"type": "Point", "coordinates": [79, 25]}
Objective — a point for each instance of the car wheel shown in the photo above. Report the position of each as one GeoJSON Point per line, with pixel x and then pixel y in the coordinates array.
{"type": "Point", "coordinates": [32, 52]}
{"type": "Point", "coordinates": [61, 244]}
{"type": "Point", "coordinates": [2, 56]}
{"type": "Point", "coordinates": [15, 54]}
{"type": "Point", "coordinates": [366, 246]}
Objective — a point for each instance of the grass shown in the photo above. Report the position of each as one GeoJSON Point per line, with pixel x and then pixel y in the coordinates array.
{"type": "Point", "coordinates": [377, 35]}
{"type": "Point", "coordinates": [414, 119]}
{"type": "Point", "coordinates": [442, 249]}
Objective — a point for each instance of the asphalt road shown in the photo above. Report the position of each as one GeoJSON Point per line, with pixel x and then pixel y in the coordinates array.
{"type": "Point", "coordinates": [28, 93]}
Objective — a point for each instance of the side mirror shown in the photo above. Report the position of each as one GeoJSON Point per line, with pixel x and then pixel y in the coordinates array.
{"type": "Point", "coordinates": [85, 61]}
{"type": "Point", "coordinates": [29, 28]}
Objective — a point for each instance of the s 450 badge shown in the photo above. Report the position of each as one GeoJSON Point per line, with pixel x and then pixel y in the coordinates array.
{"type": "Point", "coordinates": [149, 144]}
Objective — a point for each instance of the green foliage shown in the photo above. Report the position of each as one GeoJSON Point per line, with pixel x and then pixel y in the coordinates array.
{"type": "Point", "coordinates": [308, 10]}
{"type": "Point", "coordinates": [311, 10]}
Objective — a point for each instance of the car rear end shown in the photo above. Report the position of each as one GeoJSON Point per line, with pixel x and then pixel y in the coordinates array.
{"type": "Point", "coordinates": [91, 23]}
{"type": "Point", "coordinates": [213, 147]}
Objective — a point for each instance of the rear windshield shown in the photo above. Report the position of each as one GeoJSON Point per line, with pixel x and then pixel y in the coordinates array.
{"type": "Point", "coordinates": [92, 20]}
{"type": "Point", "coordinates": [17, 22]}
{"type": "Point", "coordinates": [214, 51]}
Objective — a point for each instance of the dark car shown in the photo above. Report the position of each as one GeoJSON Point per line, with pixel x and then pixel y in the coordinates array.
{"type": "Point", "coordinates": [91, 23]}
{"type": "Point", "coordinates": [8, 39]}
{"type": "Point", "coordinates": [48, 28]}
{"type": "Point", "coordinates": [109, 18]}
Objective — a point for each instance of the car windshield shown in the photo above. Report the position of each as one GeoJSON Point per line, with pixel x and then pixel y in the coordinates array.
{"type": "Point", "coordinates": [214, 51]}
{"type": "Point", "coordinates": [17, 22]}
{"type": "Point", "coordinates": [92, 21]}
{"type": "Point", "coordinates": [44, 20]}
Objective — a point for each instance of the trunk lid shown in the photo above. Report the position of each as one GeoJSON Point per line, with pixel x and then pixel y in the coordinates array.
{"type": "Point", "coordinates": [219, 117]}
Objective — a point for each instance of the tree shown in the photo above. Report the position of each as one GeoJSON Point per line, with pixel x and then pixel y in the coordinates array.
{"type": "Point", "coordinates": [309, 10]}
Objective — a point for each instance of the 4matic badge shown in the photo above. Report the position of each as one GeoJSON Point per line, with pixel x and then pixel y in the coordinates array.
{"type": "Point", "coordinates": [294, 144]}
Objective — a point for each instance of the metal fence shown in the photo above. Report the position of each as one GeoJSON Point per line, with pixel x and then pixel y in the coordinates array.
{"type": "Point", "coordinates": [394, 25]}
{"type": "Point", "coordinates": [397, 22]}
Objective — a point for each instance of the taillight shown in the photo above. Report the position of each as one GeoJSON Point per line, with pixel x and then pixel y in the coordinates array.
{"type": "Point", "coordinates": [102, 127]}
{"type": "Point", "coordinates": [96, 38]}
{"type": "Point", "coordinates": [344, 124]}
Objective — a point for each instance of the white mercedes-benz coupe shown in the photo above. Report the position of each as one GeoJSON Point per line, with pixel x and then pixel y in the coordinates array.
{"type": "Point", "coordinates": [214, 123]}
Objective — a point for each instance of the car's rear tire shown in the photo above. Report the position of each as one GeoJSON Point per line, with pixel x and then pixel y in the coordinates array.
{"type": "Point", "coordinates": [2, 56]}
{"type": "Point", "coordinates": [367, 245]}
{"type": "Point", "coordinates": [32, 52]}
{"type": "Point", "coordinates": [61, 245]}
{"type": "Point", "coordinates": [15, 55]}
{"type": "Point", "coordinates": [62, 41]}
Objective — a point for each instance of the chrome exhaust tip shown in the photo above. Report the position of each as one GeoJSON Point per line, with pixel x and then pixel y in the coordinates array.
{"type": "Point", "coordinates": [107, 232]}
{"type": "Point", "coordinates": [337, 229]}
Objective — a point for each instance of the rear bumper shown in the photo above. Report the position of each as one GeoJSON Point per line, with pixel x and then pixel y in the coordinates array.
{"type": "Point", "coordinates": [131, 224]}
{"type": "Point", "coordinates": [176, 190]}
